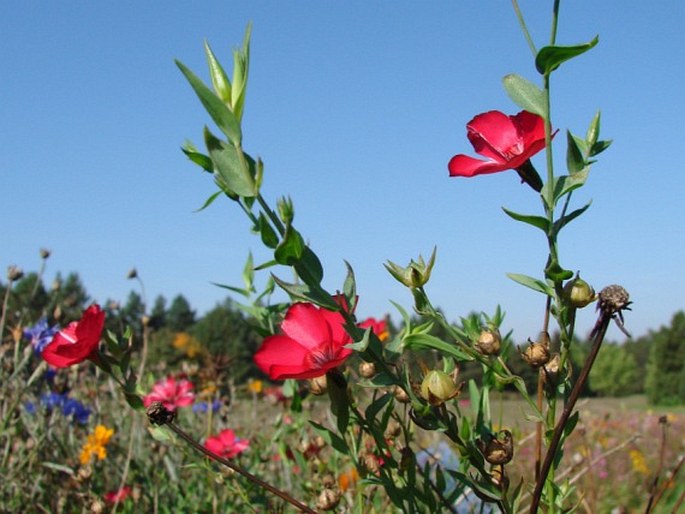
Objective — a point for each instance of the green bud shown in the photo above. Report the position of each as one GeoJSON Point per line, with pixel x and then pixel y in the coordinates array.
{"type": "Point", "coordinates": [579, 293]}
{"type": "Point", "coordinates": [438, 387]}
{"type": "Point", "coordinates": [286, 210]}
{"type": "Point", "coordinates": [416, 274]}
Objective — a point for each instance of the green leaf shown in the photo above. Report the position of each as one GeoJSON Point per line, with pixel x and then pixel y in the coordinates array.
{"type": "Point", "coordinates": [565, 183]}
{"type": "Point", "coordinates": [525, 94]}
{"type": "Point", "coordinates": [267, 233]}
{"type": "Point", "coordinates": [532, 283]}
{"type": "Point", "coordinates": [309, 268]}
{"type": "Point", "coordinates": [241, 65]}
{"type": "Point", "coordinates": [376, 406]}
{"type": "Point", "coordinates": [231, 165]}
{"type": "Point", "coordinates": [340, 399]}
{"type": "Point", "coordinates": [592, 134]}
{"type": "Point", "coordinates": [561, 222]}
{"type": "Point", "coordinates": [306, 293]}
{"type": "Point", "coordinates": [432, 342]}
{"type": "Point", "coordinates": [209, 201]}
{"type": "Point", "coordinates": [215, 107]}
{"type": "Point", "coordinates": [350, 285]}
{"type": "Point", "coordinates": [220, 81]}
{"type": "Point", "coordinates": [574, 156]}
{"type": "Point", "coordinates": [599, 147]}
{"type": "Point", "coordinates": [200, 159]}
{"type": "Point", "coordinates": [556, 273]}
{"type": "Point", "coordinates": [289, 251]}
{"type": "Point", "coordinates": [58, 467]}
{"type": "Point", "coordinates": [550, 58]}
{"type": "Point", "coordinates": [536, 221]}
{"type": "Point", "coordinates": [337, 442]}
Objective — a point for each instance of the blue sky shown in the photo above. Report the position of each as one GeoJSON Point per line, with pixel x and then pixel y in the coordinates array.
{"type": "Point", "coordinates": [356, 108]}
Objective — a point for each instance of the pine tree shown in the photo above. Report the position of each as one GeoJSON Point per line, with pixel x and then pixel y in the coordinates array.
{"type": "Point", "coordinates": [665, 384]}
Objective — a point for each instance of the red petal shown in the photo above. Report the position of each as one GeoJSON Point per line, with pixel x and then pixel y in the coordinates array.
{"type": "Point", "coordinates": [465, 166]}
{"type": "Point", "coordinates": [492, 134]}
{"type": "Point", "coordinates": [280, 350]}
{"type": "Point", "coordinates": [304, 323]}
{"type": "Point", "coordinates": [530, 128]}
{"type": "Point", "coordinates": [336, 323]}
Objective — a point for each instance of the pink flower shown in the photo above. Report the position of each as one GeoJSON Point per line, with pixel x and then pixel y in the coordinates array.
{"type": "Point", "coordinates": [311, 344]}
{"type": "Point", "coordinates": [507, 141]}
{"type": "Point", "coordinates": [226, 444]}
{"type": "Point", "coordinates": [78, 341]}
{"type": "Point", "coordinates": [171, 393]}
{"type": "Point", "coordinates": [118, 496]}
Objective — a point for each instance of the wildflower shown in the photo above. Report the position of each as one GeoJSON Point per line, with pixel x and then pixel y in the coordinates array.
{"type": "Point", "coordinates": [637, 459]}
{"type": "Point", "coordinates": [255, 386]}
{"type": "Point", "coordinates": [96, 444]}
{"type": "Point", "coordinates": [416, 274]}
{"type": "Point", "coordinates": [312, 343]}
{"type": "Point", "coordinates": [187, 344]}
{"type": "Point", "coordinates": [203, 407]}
{"type": "Point", "coordinates": [78, 341]}
{"type": "Point", "coordinates": [507, 141]}
{"type": "Point", "coordinates": [379, 327]}
{"type": "Point", "coordinates": [348, 479]}
{"type": "Point", "coordinates": [40, 334]}
{"type": "Point", "coordinates": [69, 406]}
{"type": "Point", "coordinates": [226, 444]}
{"type": "Point", "coordinates": [118, 496]}
{"type": "Point", "coordinates": [172, 393]}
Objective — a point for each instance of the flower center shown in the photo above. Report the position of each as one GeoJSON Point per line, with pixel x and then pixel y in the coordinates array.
{"type": "Point", "coordinates": [321, 355]}
{"type": "Point", "coordinates": [513, 151]}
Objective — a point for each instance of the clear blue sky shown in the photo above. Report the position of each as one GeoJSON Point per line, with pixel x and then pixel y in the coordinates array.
{"type": "Point", "coordinates": [356, 108]}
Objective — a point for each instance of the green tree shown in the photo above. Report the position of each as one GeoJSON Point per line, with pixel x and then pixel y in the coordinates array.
{"type": "Point", "coordinates": [180, 317]}
{"type": "Point", "coordinates": [70, 298]}
{"type": "Point", "coordinates": [665, 383]}
{"type": "Point", "coordinates": [614, 372]}
{"type": "Point", "coordinates": [158, 314]}
{"type": "Point", "coordinates": [228, 339]}
{"type": "Point", "coordinates": [132, 314]}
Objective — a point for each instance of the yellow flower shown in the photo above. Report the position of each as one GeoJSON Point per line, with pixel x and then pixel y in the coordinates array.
{"type": "Point", "coordinates": [187, 344]}
{"type": "Point", "coordinates": [95, 445]}
{"type": "Point", "coordinates": [348, 479]}
{"type": "Point", "coordinates": [255, 386]}
{"type": "Point", "coordinates": [638, 461]}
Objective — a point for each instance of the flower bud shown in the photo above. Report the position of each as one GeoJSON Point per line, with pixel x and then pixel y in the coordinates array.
{"type": "Point", "coordinates": [14, 273]}
{"type": "Point", "coordinates": [489, 342]}
{"type": "Point", "coordinates": [286, 210]}
{"type": "Point", "coordinates": [132, 273]}
{"type": "Point", "coordinates": [536, 354]}
{"type": "Point", "coordinates": [578, 293]}
{"type": "Point", "coordinates": [372, 463]}
{"type": "Point", "coordinates": [551, 370]}
{"type": "Point", "coordinates": [416, 274]}
{"type": "Point", "coordinates": [497, 448]}
{"type": "Point", "coordinates": [394, 429]}
{"type": "Point", "coordinates": [328, 499]}
{"type": "Point", "coordinates": [438, 387]}
{"type": "Point", "coordinates": [367, 369]}
{"type": "Point", "coordinates": [318, 385]}
{"type": "Point", "coordinates": [44, 253]}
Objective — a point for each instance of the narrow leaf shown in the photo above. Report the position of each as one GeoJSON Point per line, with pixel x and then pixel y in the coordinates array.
{"type": "Point", "coordinates": [209, 201]}
{"type": "Point", "coordinates": [561, 222]}
{"type": "Point", "coordinates": [574, 157]}
{"type": "Point", "coordinates": [289, 251]}
{"type": "Point", "coordinates": [550, 58]}
{"type": "Point", "coordinates": [200, 159]}
{"type": "Point", "coordinates": [220, 113]}
{"type": "Point", "coordinates": [337, 442]}
{"type": "Point", "coordinates": [536, 221]}
{"type": "Point", "coordinates": [220, 81]}
{"type": "Point", "coordinates": [533, 283]}
{"type": "Point", "coordinates": [432, 342]}
{"type": "Point", "coordinates": [592, 134]}
{"type": "Point", "coordinates": [599, 147]}
{"type": "Point", "coordinates": [525, 94]}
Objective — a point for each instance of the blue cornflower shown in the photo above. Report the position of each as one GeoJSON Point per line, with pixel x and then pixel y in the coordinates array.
{"type": "Point", "coordinates": [30, 407]}
{"type": "Point", "coordinates": [203, 407]}
{"type": "Point", "coordinates": [69, 406]}
{"type": "Point", "coordinates": [40, 334]}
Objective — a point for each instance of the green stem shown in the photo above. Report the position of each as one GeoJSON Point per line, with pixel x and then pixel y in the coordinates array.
{"type": "Point", "coordinates": [555, 22]}
{"type": "Point", "coordinates": [524, 28]}
{"type": "Point", "coordinates": [271, 214]}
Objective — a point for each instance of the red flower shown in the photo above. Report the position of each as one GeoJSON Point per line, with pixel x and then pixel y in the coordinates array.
{"type": "Point", "coordinates": [226, 444]}
{"type": "Point", "coordinates": [78, 341]}
{"type": "Point", "coordinates": [118, 496]}
{"type": "Point", "coordinates": [379, 327]}
{"type": "Point", "coordinates": [311, 344]}
{"type": "Point", "coordinates": [507, 141]}
{"type": "Point", "coordinates": [171, 393]}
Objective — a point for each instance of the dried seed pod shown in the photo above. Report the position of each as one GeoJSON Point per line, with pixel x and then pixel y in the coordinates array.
{"type": "Point", "coordinates": [328, 499]}
{"type": "Point", "coordinates": [401, 395]}
{"type": "Point", "coordinates": [318, 386]}
{"type": "Point", "coordinates": [367, 369]}
{"type": "Point", "coordinates": [489, 342]}
{"type": "Point", "coordinates": [536, 354]}
{"type": "Point", "coordinates": [497, 448]}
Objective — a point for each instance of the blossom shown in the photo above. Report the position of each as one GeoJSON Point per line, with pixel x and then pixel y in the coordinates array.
{"type": "Point", "coordinates": [96, 443]}
{"type": "Point", "coordinates": [118, 496]}
{"type": "Point", "coordinates": [78, 341]}
{"type": "Point", "coordinates": [508, 142]}
{"type": "Point", "coordinates": [226, 444]}
{"type": "Point", "coordinates": [40, 334]}
{"type": "Point", "coordinates": [312, 342]}
{"type": "Point", "coordinates": [255, 386]}
{"type": "Point", "coordinates": [379, 327]}
{"type": "Point", "coordinates": [69, 406]}
{"type": "Point", "coordinates": [203, 407]}
{"type": "Point", "coordinates": [172, 393]}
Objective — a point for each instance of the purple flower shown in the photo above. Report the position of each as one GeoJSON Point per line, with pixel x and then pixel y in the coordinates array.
{"type": "Point", "coordinates": [40, 334]}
